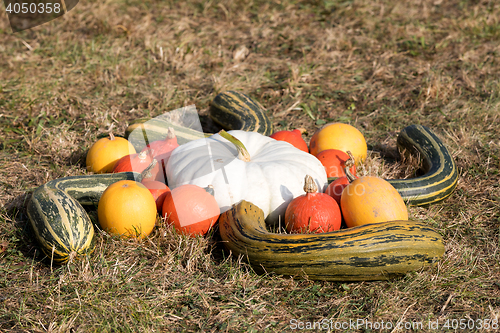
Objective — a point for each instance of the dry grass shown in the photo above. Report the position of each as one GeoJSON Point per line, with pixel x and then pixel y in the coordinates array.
{"type": "Point", "coordinates": [379, 65]}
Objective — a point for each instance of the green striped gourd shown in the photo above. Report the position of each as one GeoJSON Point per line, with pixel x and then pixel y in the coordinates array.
{"type": "Point", "coordinates": [61, 225]}
{"type": "Point", "coordinates": [376, 251]}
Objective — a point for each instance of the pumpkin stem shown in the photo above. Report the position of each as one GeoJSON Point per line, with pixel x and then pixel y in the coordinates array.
{"type": "Point", "coordinates": [210, 190]}
{"type": "Point", "coordinates": [147, 172]}
{"type": "Point", "coordinates": [143, 154]}
{"type": "Point", "coordinates": [111, 136]}
{"type": "Point", "coordinates": [242, 151]}
{"type": "Point", "coordinates": [310, 185]}
{"type": "Point", "coordinates": [170, 133]}
{"type": "Point", "coordinates": [348, 165]}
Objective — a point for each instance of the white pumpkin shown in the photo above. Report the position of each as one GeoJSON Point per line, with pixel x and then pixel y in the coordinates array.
{"type": "Point", "coordinates": [272, 177]}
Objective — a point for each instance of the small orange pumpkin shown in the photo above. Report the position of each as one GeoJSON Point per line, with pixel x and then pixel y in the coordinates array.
{"type": "Point", "coordinates": [127, 209]}
{"type": "Point", "coordinates": [192, 209]}
{"type": "Point", "coordinates": [334, 162]}
{"type": "Point", "coordinates": [340, 136]}
{"type": "Point", "coordinates": [162, 149]}
{"type": "Point", "coordinates": [139, 162]}
{"type": "Point", "coordinates": [158, 190]}
{"type": "Point", "coordinates": [336, 188]}
{"type": "Point", "coordinates": [313, 211]}
{"type": "Point", "coordinates": [105, 152]}
{"type": "Point", "coordinates": [134, 162]}
{"type": "Point", "coordinates": [293, 137]}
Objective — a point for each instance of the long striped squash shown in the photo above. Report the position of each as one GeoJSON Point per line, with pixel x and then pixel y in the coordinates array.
{"type": "Point", "coordinates": [371, 252]}
{"type": "Point", "coordinates": [61, 225]}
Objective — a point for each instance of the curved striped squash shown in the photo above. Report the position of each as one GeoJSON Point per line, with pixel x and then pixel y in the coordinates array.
{"type": "Point", "coordinates": [441, 175]}
{"type": "Point", "coordinates": [370, 252]}
{"type": "Point", "coordinates": [440, 172]}
{"type": "Point", "coordinates": [60, 228]}
{"type": "Point", "coordinates": [233, 110]}
{"type": "Point", "coordinates": [61, 225]}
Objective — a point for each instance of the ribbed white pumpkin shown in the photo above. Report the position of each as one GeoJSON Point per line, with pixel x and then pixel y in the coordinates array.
{"type": "Point", "coordinates": [271, 179]}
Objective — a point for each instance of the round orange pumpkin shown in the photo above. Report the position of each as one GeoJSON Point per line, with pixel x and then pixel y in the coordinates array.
{"type": "Point", "coordinates": [162, 149]}
{"type": "Point", "coordinates": [371, 199]}
{"type": "Point", "coordinates": [158, 190]}
{"type": "Point", "coordinates": [312, 212]}
{"type": "Point", "coordinates": [293, 137]}
{"type": "Point", "coordinates": [336, 188]}
{"type": "Point", "coordinates": [138, 162]}
{"type": "Point", "coordinates": [105, 152]}
{"type": "Point", "coordinates": [191, 209]}
{"type": "Point", "coordinates": [339, 136]}
{"type": "Point", "coordinates": [127, 209]}
{"type": "Point", "coordinates": [334, 162]}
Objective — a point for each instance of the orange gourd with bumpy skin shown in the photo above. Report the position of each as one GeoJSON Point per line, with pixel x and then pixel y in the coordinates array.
{"type": "Point", "coordinates": [127, 209]}
{"type": "Point", "coordinates": [312, 212]}
{"type": "Point", "coordinates": [103, 155]}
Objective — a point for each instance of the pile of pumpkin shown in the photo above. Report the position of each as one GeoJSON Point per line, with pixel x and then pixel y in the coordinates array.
{"type": "Point", "coordinates": [129, 208]}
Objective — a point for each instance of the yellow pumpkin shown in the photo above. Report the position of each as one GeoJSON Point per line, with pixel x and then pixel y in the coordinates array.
{"type": "Point", "coordinates": [342, 137]}
{"type": "Point", "coordinates": [127, 209]}
{"type": "Point", "coordinates": [105, 152]}
{"type": "Point", "coordinates": [371, 199]}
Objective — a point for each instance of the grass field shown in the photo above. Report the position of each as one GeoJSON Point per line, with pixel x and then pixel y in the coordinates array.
{"type": "Point", "coordinates": [379, 65]}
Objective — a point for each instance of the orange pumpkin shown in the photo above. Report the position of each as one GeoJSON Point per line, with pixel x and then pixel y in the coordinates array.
{"type": "Point", "coordinates": [191, 209]}
{"type": "Point", "coordinates": [127, 209]}
{"type": "Point", "coordinates": [139, 162]}
{"type": "Point", "coordinates": [339, 136]}
{"type": "Point", "coordinates": [103, 155]}
{"type": "Point", "coordinates": [334, 162]}
{"type": "Point", "coordinates": [312, 212]}
{"type": "Point", "coordinates": [162, 149]}
{"type": "Point", "coordinates": [158, 190]}
{"type": "Point", "coordinates": [293, 137]}
{"type": "Point", "coordinates": [371, 199]}
{"type": "Point", "coordinates": [336, 188]}
{"type": "Point", "coordinates": [135, 162]}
